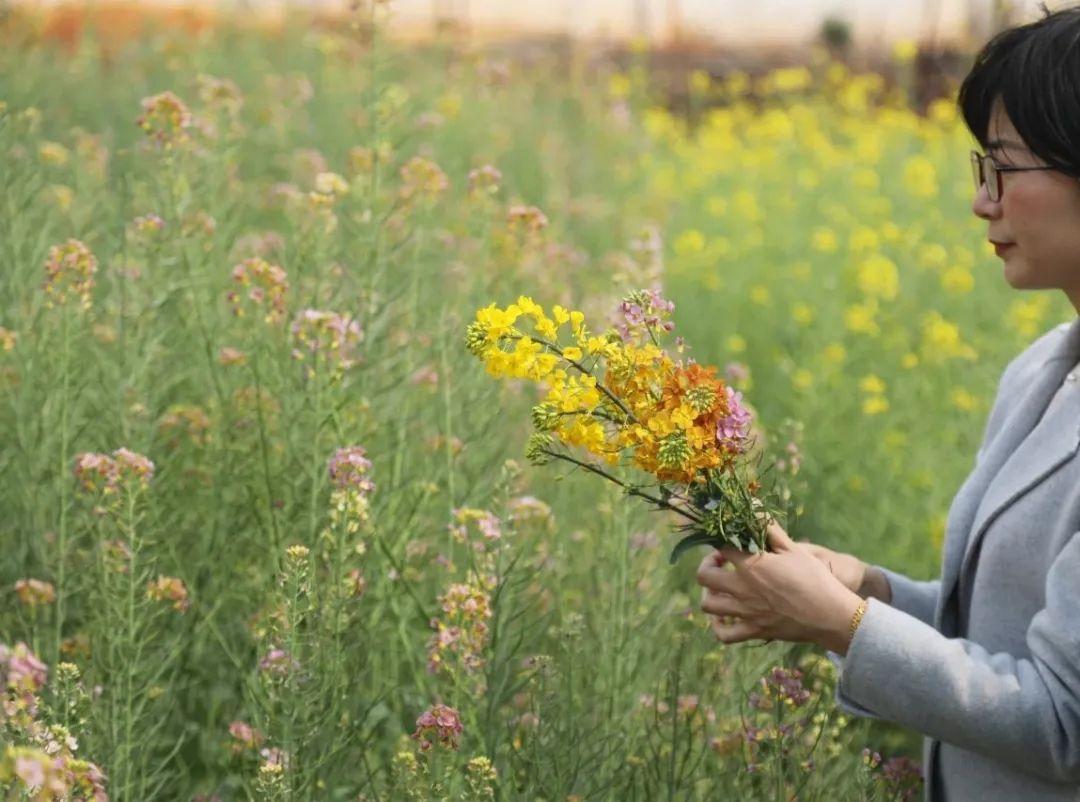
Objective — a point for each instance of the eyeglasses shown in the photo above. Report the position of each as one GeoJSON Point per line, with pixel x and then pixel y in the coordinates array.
{"type": "Point", "coordinates": [986, 171]}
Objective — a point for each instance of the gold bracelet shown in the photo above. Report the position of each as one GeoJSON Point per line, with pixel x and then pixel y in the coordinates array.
{"type": "Point", "coordinates": [856, 618]}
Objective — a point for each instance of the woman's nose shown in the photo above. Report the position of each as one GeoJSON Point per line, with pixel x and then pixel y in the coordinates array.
{"type": "Point", "coordinates": [983, 207]}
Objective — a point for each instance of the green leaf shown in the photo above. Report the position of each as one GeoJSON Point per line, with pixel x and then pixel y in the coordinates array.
{"type": "Point", "coordinates": [688, 542]}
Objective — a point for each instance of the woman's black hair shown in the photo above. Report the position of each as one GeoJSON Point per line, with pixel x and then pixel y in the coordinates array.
{"type": "Point", "coordinates": [1035, 70]}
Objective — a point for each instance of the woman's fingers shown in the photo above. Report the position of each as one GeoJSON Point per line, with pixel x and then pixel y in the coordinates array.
{"type": "Point", "coordinates": [736, 557]}
{"type": "Point", "coordinates": [779, 540]}
{"type": "Point", "coordinates": [714, 559]}
{"type": "Point", "coordinates": [734, 632]}
{"type": "Point", "coordinates": [722, 604]}
{"type": "Point", "coordinates": [718, 578]}
{"type": "Point", "coordinates": [710, 562]}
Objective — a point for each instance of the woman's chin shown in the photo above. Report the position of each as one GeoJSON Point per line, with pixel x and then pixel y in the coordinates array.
{"type": "Point", "coordinates": [1016, 276]}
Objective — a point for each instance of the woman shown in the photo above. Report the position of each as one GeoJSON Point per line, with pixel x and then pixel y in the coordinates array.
{"type": "Point", "coordinates": [985, 661]}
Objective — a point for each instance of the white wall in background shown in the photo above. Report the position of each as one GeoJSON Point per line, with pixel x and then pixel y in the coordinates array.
{"type": "Point", "coordinates": [731, 20]}
{"type": "Point", "coordinates": [766, 19]}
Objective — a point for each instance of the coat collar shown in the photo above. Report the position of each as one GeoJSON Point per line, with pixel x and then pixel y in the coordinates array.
{"type": "Point", "coordinates": [1014, 462]}
{"type": "Point", "coordinates": [1068, 347]}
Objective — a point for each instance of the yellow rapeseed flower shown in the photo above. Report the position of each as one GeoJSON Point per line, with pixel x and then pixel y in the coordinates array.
{"type": "Point", "coordinates": [660, 124]}
{"type": "Point", "coordinates": [920, 177]}
{"type": "Point", "coordinates": [937, 531]}
{"type": "Point", "coordinates": [530, 307]}
{"type": "Point", "coordinates": [1025, 317]}
{"type": "Point", "coordinates": [689, 242]}
{"type": "Point", "coordinates": [546, 328]}
{"type": "Point", "coordinates": [716, 206]}
{"type": "Point", "coordinates": [700, 82]}
{"type": "Point", "coordinates": [865, 179]}
{"type": "Point", "coordinates": [497, 323]}
{"type": "Point", "coordinates": [863, 239]}
{"type": "Point", "coordinates": [61, 195]}
{"type": "Point", "coordinates": [836, 73]}
{"type": "Point", "coordinates": [904, 51]}
{"type": "Point", "coordinates": [803, 314]}
{"type": "Point", "coordinates": [878, 277]}
{"type": "Point", "coordinates": [449, 105]}
{"type": "Point", "coordinates": [619, 85]}
{"type": "Point", "coordinates": [942, 341]}
{"type": "Point", "coordinates": [957, 280]}
{"type": "Point", "coordinates": [834, 353]}
{"type": "Point", "coordinates": [875, 405]}
{"type": "Point", "coordinates": [872, 384]}
{"type": "Point", "coordinates": [942, 111]}
{"type": "Point", "coordinates": [932, 254]}
{"type": "Point", "coordinates": [890, 231]}
{"type": "Point", "coordinates": [824, 240]}
{"type": "Point", "coordinates": [859, 318]}
{"type": "Point", "coordinates": [746, 204]}
{"type": "Point", "coordinates": [962, 399]}
{"type": "Point", "coordinates": [598, 345]}
{"type": "Point", "coordinates": [790, 79]}
{"type": "Point", "coordinates": [737, 83]}
{"type": "Point", "coordinates": [53, 153]}
{"type": "Point", "coordinates": [802, 379]}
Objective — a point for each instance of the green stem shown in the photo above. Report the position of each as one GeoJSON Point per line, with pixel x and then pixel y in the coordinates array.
{"type": "Point", "coordinates": [779, 716]}
{"type": "Point", "coordinates": [131, 636]}
{"type": "Point", "coordinates": [619, 517]}
{"type": "Point", "coordinates": [317, 461]}
{"type": "Point", "coordinates": [265, 452]}
{"type": "Point", "coordinates": [674, 724]}
{"type": "Point", "coordinates": [448, 412]}
{"type": "Point", "coordinates": [401, 575]}
{"type": "Point", "coordinates": [62, 479]}
{"type": "Point", "coordinates": [630, 489]}
{"type": "Point", "coordinates": [289, 744]}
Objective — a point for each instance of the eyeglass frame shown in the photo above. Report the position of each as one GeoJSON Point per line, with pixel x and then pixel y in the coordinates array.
{"type": "Point", "coordinates": [998, 186]}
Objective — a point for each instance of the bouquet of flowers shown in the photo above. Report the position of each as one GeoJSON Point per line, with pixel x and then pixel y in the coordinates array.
{"type": "Point", "coordinates": [623, 400]}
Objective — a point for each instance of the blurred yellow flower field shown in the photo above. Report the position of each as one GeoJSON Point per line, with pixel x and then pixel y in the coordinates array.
{"type": "Point", "coordinates": [270, 530]}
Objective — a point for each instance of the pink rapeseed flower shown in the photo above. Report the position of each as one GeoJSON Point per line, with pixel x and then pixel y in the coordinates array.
{"type": "Point", "coordinates": [442, 722]}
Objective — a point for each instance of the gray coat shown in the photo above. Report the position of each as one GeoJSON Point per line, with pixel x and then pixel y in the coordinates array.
{"type": "Point", "coordinates": [985, 661]}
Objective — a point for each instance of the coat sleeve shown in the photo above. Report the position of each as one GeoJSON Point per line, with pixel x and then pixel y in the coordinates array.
{"type": "Point", "coordinates": [1024, 712]}
{"type": "Point", "coordinates": [916, 598]}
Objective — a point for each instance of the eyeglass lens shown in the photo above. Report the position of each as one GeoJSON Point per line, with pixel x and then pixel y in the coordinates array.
{"type": "Point", "coordinates": [984, 173]}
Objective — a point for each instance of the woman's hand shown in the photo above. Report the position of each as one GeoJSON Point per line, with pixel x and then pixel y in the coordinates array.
{"type": "Point", "coordinates": [849, 569]}
{"type": "Point", "coordinates": [787, 594]}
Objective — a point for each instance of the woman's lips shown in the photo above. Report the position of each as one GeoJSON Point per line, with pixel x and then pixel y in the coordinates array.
{"type": "Point", "coordinates": [1001, 247]}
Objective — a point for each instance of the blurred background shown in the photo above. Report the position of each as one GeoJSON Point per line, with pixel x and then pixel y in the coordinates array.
{"type": "Point", "coordinates": [725, 21]}
{"type": "Point", "coordinates": [716, 36]}
{"type": "Point", "coordinates": [721, 21]}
